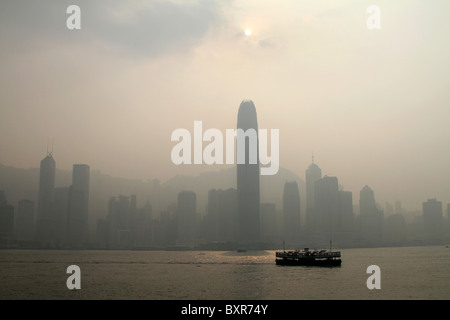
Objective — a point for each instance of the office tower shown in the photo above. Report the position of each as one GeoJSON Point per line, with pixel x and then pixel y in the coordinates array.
{"type": "Point", "coordinates": [103, 233]}
{"type": "Point", "coordinates": [398, 207]}
{"type": "Point", "coordinates": [143, 224]}
{"type": "Point", "coordinates": [371, 217]}
{"type": "Point", "coordinates": [2, 198]}
{"type": "Point", "coordinates": [312, 174]}
{"type": "Point", "coordinates": [248, 192]}
{"type": "Point", "coordinates": [25, 221]}
{"type": "Point", "coordinates": [6, 220]}
{"type": "Point", "coordinates": [327, 206]}
{"type": "Point", "coordinates": [80, 181]}
{"type": "Point", "coordinates": [77, 221]}
{"type": "Point", "coordinates": [186, 218]}
{"type": "Point", "coordinates": [346, 223]}
{"type": "Point", "coordinates": [395, 229]}
{"type": "Point", "coordinates": [269, 222]}
{"type": "Point", "coordinates": [222, 218]}
{"type": "Point", "coordinates": [346, 216]}
{"type": "Point", "coordinates": [388, 209]}
{"type": "Point", "coordinates": [448, 219]}
{"type": "Point", "coordinates": [119, 221]}
{"type": "Point", "coordinates": [61, 205]}
{"type": "Point", "coordinates": [433, 219]}
{"type": "Point", "coordinates": [46, 229]}
{"type": "Point", "coordinates": [291, 212]}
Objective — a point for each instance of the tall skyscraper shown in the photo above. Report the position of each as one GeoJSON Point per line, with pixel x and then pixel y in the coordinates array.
{"type": "Point", "coordinates": [327, 206]}
{"type": "Point", "coordinates": [119, 221]}
{"type": "Point", "coordinates": [2, 198]}
{"type": "Point", "coordinates": [371, 217]}
{"type": "Point", "coordinates": [25, 221]}
{"type": "Point", "coordinates": [186, 218]}
{"type": "Point", "coordinates": [143, 224]}
{"type": "Point", "coordinates": [291, 211]}
{"type": "Point", "coordinates": [448, 219]}
{"type": "Point", "coordinates": [433, 219]}
{"type": "Point", "coordinates": [78, 232]}
{"type": "Point", "coordinates": [6, 220]}
{"type": "Point", "coordinates": [346, 216]}
{"type": "Point", "coordinates": [46, 225]}
{"type": "Point", "coordinates": [61, 203]}
{"type": "Point", "coordinates": [248, 192]}
{"type": "Point", "coordinates": [312, 174]}
{"type": "Point", "coordinates": [269, 223]}
{"type": "Point", "coordinates": [222, 215]}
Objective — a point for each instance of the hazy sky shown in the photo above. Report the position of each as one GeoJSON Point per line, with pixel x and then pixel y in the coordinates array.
{"type": "Point", "coordinates": [373, 105]}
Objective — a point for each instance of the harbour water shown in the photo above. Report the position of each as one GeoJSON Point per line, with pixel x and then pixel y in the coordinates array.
{"type": "Point", "coordinates": [406, 273]}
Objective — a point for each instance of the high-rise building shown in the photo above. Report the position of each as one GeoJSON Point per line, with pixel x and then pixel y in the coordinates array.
{"type": "Point", "coordinates": [333, 212]}
{"type": "Point", "coordinates": [448, 220]}
{"type": "Point", "coordinates": [433, 219]}
{"type": "Point", "coordinates": [143, 233]}
{"type": "Point", "coordinates": [371, 218]}
{"type": "Point", "coordinates": [269, 223]}
{"type": "Point", "coordinates": [61, 205]}
{"type": "Point", "coordinates": [119, 222]}
{"type": "Point", "coordinates": [291, 212]}
{"type": "Point", "coordinates": [77, 222]}
{"type": "Point", "coordinates": [186, 218]}
{"type": "Point", "coordinates": [346, 215]}
{"type": "Point", "coordinates": [248, 191]}
{"type": "Point", "coordinates": [6, 220]}
{"type": "Point", "coordinates": [103, 233]}
{"type": "Point", "coordinates": [346, 223]}
{"type": "Point", "coordinates": [2, 198]}
{"type": "Point", "coordinates": [327, 206]}
{"type": "Point", "coordinates": [398, 207]}
{"type": "Point", "coordinates": [395, 230]}
{"type": "Point", "coordinates": [312, 174]}
{"type": "Point", "coordinates": [46, 225]}
{"type": "Point", "coordinates": [25, 221]}
{"type": "Point", "coordinates": [222, 218]}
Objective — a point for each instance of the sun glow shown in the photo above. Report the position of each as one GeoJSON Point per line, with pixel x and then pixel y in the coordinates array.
{"type": "Point", "coordinates": [248, 32]}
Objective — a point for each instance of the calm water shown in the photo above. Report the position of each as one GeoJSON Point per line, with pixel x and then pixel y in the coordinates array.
{"type": "Point", "coordinates": [406, 273]}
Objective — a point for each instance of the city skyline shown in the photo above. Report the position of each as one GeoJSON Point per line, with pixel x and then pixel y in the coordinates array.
{"type": "Point", "coordinates": [237, 216]}
{"type": "Point", "coordinates": [111, 93]}
{"type": "Point", "coordinates": [212, 151]}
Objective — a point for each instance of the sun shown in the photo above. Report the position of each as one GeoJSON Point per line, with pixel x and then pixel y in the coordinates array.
{"type": "Point", "coordinates": [248, 32]}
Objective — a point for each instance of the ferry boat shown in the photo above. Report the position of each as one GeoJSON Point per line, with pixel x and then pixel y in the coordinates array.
{"type": "Point", "coordinates": [307, 257]}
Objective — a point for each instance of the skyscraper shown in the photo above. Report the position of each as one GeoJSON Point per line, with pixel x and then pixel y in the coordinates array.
{"type": "Point", "coordinates": [248, 192]}
{"type": "Point", "coordinates": [119, 221]}
{"type": "Point", "coordinates": [186, 217]}
{"type": "Point", "coordinates": [61, 203]}
{"type": "Point", "coordinates": [433, 219]}
{"type": "Point", "coordinates": [371, 217]}
{"type": "Point", "coordinates": [269, 223]}
{"type": "Point", "coordinates": [46, 224]}
{"type": "Point", "coordinates": [78, 206]}
{"type": "Point", "coordinates": [346, 216]}
{"type": "Point", "coordinates": [6, 220]}
{"type": "Point", "coordinates": [25, 221]}
{"type": "Point", "coordinates": [222, 215]}
{"type": "Point", "coordinates": [291, 211]}
{"type": "Point", "coordinates": [327, 206]}
{"type": "Point", "coordinates": [312, 174]}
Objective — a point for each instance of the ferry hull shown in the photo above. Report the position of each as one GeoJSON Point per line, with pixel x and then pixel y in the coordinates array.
{"type": "Point", "coordinates": [309, 262]}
